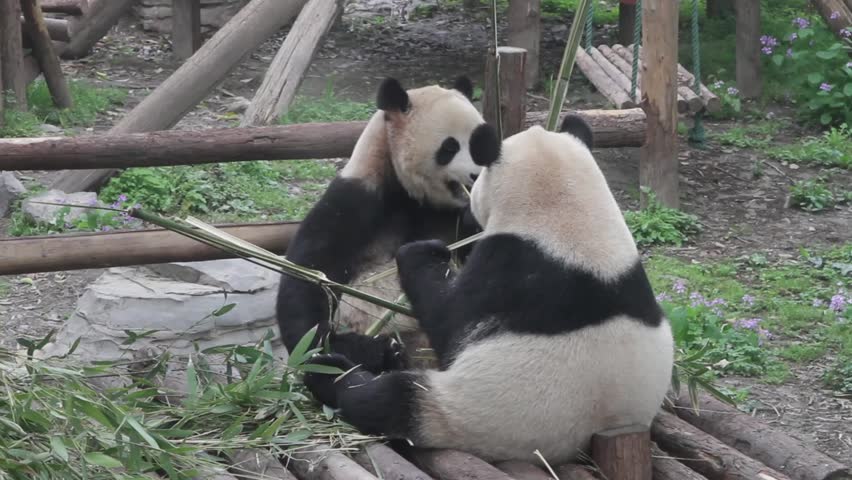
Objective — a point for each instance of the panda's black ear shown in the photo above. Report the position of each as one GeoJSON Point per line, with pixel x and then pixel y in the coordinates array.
{"type": "Point", "coordinates": [484, 145]}
{"type": "Point", "coordinates": [575, 125]}
{"type": "Point", "coordinates": [465, 86]}
{"type": "Point", "coordinates": [392, 97]}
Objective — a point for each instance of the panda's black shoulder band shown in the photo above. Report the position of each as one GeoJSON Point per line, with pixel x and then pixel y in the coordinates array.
{"type": "Point", "coordinates": [484, 145]}
{"type": "Point", "coordinates": [577, 126]}
{"type": "Point", "coordinates": [464, 85]}
{"type": "Point", "coordinates": [392, 97]}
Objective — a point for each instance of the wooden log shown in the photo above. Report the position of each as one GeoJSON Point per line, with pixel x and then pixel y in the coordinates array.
{"type": "Point", "coordinates": [186, 27]}
{"type": "Point", "coordinates": [455, 465]}
{"type": "Point", "coordinates": [658, 165]}
{"type": "Point", "coordinates": [513, 91]}
{"type": "Point", "coordinates": [602, 82]}
{"type": "Point", "coordinates": [522, 471]}
{"type": "Point", "coordinates": [100, 18]}
{"type": "Point", "coordinates": [572, 471]}
{"type": "Point", "coordinates": [748, 59]}
{"type": "Point", "coordinates": [326, 465]}
{"type": "Point", "coordinates": [194, 80]}
{"type": "Point", "coordinates": [31, 69]}
{"type": "Point", "coordinates": [293, 59]}
{"type": "Point", "coordinates": [760, 441]}
{"type": "Point", "coordinates": [622, 128]}
{"type": "Point", "coordinates": [718, 8]}
{"type": "Point", "coordinates": [258, 464]}
{"type": "Point", "coordinates": [525, 32]}
{"type": "Point", "coordinates": [667, 468]}
{"type": "Point", "coordinates": [12, 56]}
{"type": "Point", "coordinates": [45, 54]}
{"type": "Point", "coordinates": [2, 97]}
{"type": "Point", "coordinates": [383, 461]}
{"type": "Point", "coordinates": [57, 253]}
{"type": "Point", "coordinates": [626, 22]}
{"type": "Point", "coordinates": [827, 8]}
{"type": "Point", "coordinates": [68, 7]}
{"type": "Point", "coordinates": [57, 28]}
{"type": "Point", "coordinates": [623, 453]}
{"type": "Point", "coordinates": [622, 64]}
{"type": "Point", "coordinates": [687, 101]}
{"type": "Point", "coordinates": [705, 454]}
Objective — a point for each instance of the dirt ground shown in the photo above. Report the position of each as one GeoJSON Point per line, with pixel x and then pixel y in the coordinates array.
{"type": "Point", "coordinates": [740, 214]}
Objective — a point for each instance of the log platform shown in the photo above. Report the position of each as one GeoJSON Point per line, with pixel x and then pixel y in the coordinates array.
{"type": "Point", "coordinates": [610, 71]}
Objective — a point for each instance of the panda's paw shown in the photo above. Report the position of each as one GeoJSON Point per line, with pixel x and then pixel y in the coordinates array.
{"type": "Point", "coordinates": [416, 255]}
{"type": "Point", "coordinates": [395, 357]}
{"type": "Point", "coordinates": [323, 386]}
{"type": "Point", "coordinates": [374, 354]}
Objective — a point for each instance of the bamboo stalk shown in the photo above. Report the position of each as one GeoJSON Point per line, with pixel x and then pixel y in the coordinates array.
{"type": "Point", "coordinates": [567, 65]}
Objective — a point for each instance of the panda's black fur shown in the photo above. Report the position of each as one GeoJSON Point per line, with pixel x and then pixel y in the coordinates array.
{"type": "Point", "coordinates": [354, 215]}
{"type": "Point", "coordinates": [541, 316]}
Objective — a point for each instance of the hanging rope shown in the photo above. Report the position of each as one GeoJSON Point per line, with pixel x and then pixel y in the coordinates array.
{"type": "Point", "coordinates": [637, 41]}
{"type": "Point", "coordinates": [589, 17]}
{"type": "Point", "coordinates": [696, 134]}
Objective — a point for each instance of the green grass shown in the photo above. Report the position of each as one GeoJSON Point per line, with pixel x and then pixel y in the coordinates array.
{"type": "Point", "coordinates": [757, 135]}
{"type": "Point", "coordinates": [88, 103]}
{"type": "Point", "coordinates": [831, 149]}
{"type": "Point", "coordinates": [328, 108]}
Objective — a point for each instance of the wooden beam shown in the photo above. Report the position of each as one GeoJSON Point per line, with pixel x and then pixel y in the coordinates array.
{"type": "Point", "coordinates": [455, 465]}
{"type": "Point", "coordinates": [840, 10]}
{"type": "Point", "coordinates": [749, 81]}
{"type": "Point", "coordinates": [621, 128]}
{"type": "Point", "coordinates": [623, 453]}
{"type": "Point", "coordinates": [525, 32]}
{"type": "Point", "coordinates": [12, 55]}
{"type": "Point", "coordinates": [602, 82]}
{"type": "Point", "coordinates": [68, 7]}
{"type": "Point", "coordinates": [291, 62]}
{"type": "Point", "coordinates": [658, 168]}
{"type": "Point", "coordinates": [45, 54]}
{"type": "Point", "coordinates": [194, 80]}
{"type": "Point", "coordinates": [103, 15]}
{"type": "Point", "coordinates": [326, 465]}
{"type": "Point", "coordinates": [57, 253]}
{"type": "Point", "coordinates": [513, 91]}
{"type": "Point", "coordinates": [57, 28]}
{"type": "Point", "coordinates": [186, 27]}
{"type": "Point", "coordinates": [667, 468]}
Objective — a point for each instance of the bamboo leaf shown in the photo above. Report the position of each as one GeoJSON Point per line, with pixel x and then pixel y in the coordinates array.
{"type": "Point", "coordinates": [297, 356]}
{"type": "Point", "coordinates": [102, 459]}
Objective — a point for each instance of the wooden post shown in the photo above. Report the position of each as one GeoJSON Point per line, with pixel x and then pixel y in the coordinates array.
{"type": "Point", "coordinates": [291, 62]}
{"type": "Point", "coordinates": [623, 453]}
{"type": "Point", "coordinates": [836, 13]}
{"type": "Point", "coordinates": [12, 55]}
{"type": "Point", "coordinates": [658, 167]}
{"type": "Point", "coordinates": [513, 91]}
{"type": "Point", "coordinates": [100, 18]}
{"type": "Point", "coordinates": [45, 54]}
{"type": "Point", "coordinates": [718, 8]}
{"type": "Point", "coordinates": [2, 96]}
{"type": "Point", "coordinates": [525, 32]}
{"type": "Point", "coordinates": [186, 27]}
{"type": "Point", "coordinates": [749, 82]}
{"type": "Point", "coordinates": [626, 21]}
{"type": "Point", "coordinates": [194, 80]}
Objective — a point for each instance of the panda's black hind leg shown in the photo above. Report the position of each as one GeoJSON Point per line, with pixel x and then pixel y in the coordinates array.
{"type": "Point", "coordinates": [375, 354]}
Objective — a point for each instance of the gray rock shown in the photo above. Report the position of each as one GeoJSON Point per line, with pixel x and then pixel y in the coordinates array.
{"type": "Point", "coordinates": [10, 190]}
{"type": "Point", "coordinates": [38, 212]}
{"type": "Point", "coordinates": [50, 129]}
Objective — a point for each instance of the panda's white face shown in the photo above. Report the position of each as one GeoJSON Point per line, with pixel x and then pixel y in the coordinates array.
{"type": "Point", "coordinates": [430, 145]}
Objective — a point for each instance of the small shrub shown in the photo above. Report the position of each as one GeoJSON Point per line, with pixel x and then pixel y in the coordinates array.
{"type": "Point", "coordinates": [728, 94]}
{"type": "Point", "coordinates": [812, 195]}
{"type": "Point", "coordinates": [659, 225]}
{"type": "Point", "coordinates": [839, 377]}
{"type": "Point", "coordinates": [832, 149]}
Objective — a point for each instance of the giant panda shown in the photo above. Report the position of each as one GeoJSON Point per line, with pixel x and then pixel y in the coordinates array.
{"type": "Point", "coordinates": [550, 331]}
{"type": "Point", "coordinates": [404, 181]}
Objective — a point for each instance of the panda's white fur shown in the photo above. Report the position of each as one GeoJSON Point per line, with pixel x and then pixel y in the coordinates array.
{"type": "Point", "coordinates": [400, 184]}
{"type": "Point", "coordinates": [549, 333]}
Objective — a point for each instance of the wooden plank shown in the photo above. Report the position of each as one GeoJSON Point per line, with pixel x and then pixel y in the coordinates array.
{"type": "Point", "coordinates": [602, 82]}
{"type": "Point", "coordinates": [513, 91]}
{"type": "Point", "coordinates": [525, 32]}
{"type": "Point", "coordinates": [12, 56]}
{"type": "Point", "coordinates": [623, 453]}
{"type": "Point", "coordinates": [293, 59]}
{"type": "Point", "coordinates": [68, 7]}
{"type": "Point", "coordinates": [24, 255]}
{"type": "Point", "coordinates": [749, 81]}
{"type": "Point", "coordinates": [194, 80]}
{"type": "Point", "coordinates": [522, 470]}
{"type": "Point", "coordinates": [381, 460]}
{"type": "Point", "coordinates": [326, 465]}
{"type": "Point", "coordinates": [186, 27]}
{"type": "Point", "coordinates": [45, 55]}
{"type": "Point", "coordinates": [658, 167]}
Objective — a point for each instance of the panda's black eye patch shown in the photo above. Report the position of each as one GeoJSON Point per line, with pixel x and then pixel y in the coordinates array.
{"type": "Point", "coordinates": [449, 148]}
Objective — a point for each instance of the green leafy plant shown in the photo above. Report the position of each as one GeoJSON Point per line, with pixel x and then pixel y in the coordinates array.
{"type": "Point", "coordinates": [328, 108]}
{"type": "Point", "coordinates": [813, 195]}
{"type": "Point", "coordinates": [732, 106]}
{"type": "Point", "coordinates": [660, 225]}
{"type": "Point", "coordinates": [832, 149]}
{"type": "Point", "coordinates": [839, 377]}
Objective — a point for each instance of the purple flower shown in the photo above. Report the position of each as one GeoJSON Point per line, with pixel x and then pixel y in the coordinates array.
{"type": "Point", "coordinates": [137, 206]}
{"type": "Point", "coordinates": [766, 50]}
{"type": "Point", "coordinates": [834, 15]}
{"type": "Point", "coordinates": [846, 33]}
{"type": "Point", "coordinates": [790, 52]}
{"type": "Point", "coordinates": [733, 91]}
{"type": "Point", "coordinates": [679, 286]}
{"type": "Point", "coordinates": [93, 202]}
{"type": "Point", "coordinates": [817, 303]}
{"type": "Point", "coordinates": [768, 41]}
{"type": "Point", "coordinates": [122, 198]}
{"type": "Point", "coordinates": [825, 87]}
{"type": "Point", "coordinates": [697, 299]}
{"type": "Point", "coordinates": [106, 228]}
{"type": "Point", "coordinates": [801, 22]}
{"type": "Point", "coordinates": [748, 299]}
{"type": "Point", "coordinates": [116, 205]}
{"type": "Point", "coordinates": [719, 84]}
{"type": "Point", "coordinates": [794, 36]}
{"type": "Point", "coordinates": [748, 324]}
{"type": "Point", "coordinates": [663, 297]}
{"type": "Point", "coordinates": [838, 303]}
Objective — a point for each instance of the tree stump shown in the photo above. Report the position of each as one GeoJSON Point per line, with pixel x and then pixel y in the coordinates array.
{"type": "Point", "coordinates": [513, 90]}
{"type": "Point", "coordinates": [623, 453]}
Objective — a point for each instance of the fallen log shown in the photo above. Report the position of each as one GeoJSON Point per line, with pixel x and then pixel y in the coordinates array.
{"type": "Point", "coordinates": [760, 441]}
{"type": "Point", "coordinates": [194, 80]}
{"type": "Point", "coordinates": [103, 15]}
{"type": "Point", "coordinates": [293, 59]}
{"type": "Point", "coordinates": [602, 82]}
{"type": "Point", "coordinates": [836, 13]}
{"type": "Point", "coordinates": [612, 128]}
{"type": "Point", "coordinates": [706, 455]}
{"type": "Point", "coordinates": [45, 55]}
{"type": "Point", "coordinates": [118, 249]}
{"type": "Point", "coordinates": [257, 464]}
{"type": "Point", "coordinates": [384, 462]}
{"type": "Point", "coordinates": [68, 7]}
{"type": "Point", "coordinates": [455, 465]}
{"type": "Point", "coordinates": [667, 468]}
{"type": "Point", "coordinates": [57, 28]}
{"type": "Point", "coordinates": [522, 471]}
{"type": "Point", "coordinates": [330, 465]}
